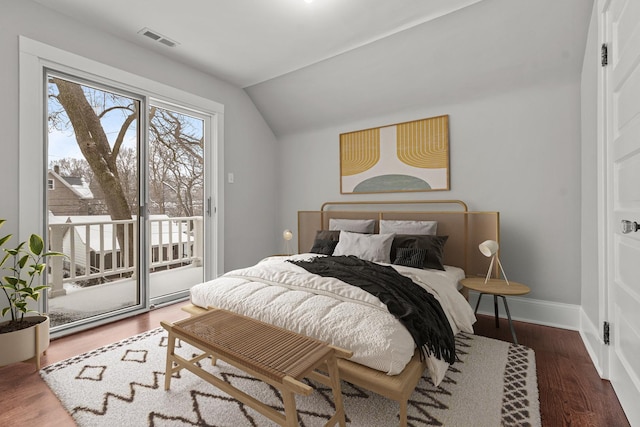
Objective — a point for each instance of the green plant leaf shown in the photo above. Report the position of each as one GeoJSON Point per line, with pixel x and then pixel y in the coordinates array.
{"type": "Point", "coordinates": [5, 258]}
{"type": "Point", "coordinates": [39, 268]}
{"type": "Point", "coordinates": [36, 245]}
{"type": "Point", "coordinates": [11, 281]}
{"type": "Point", "coordinates": [23, 261]}
{"type": "Point", "coordinates": [5, 239]}
{"type": "Point", "coordinates": [53, 254]}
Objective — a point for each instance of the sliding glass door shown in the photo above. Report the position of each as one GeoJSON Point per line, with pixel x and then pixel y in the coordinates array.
{"type": "Point", "coordinates": [176, 201]}
{"type": "Point", "coordinates": [93, 189]}
{"type": "Point", "coordinates": [125, 201]}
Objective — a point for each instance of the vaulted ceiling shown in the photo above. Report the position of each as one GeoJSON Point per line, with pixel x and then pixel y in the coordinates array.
{"type": "Point", "coordinates": [309, 65]}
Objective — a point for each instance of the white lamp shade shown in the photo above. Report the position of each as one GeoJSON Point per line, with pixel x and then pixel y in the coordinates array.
{"type": "Point", "coordinates": [287, 235]}
{"type": "Point", "coordinates": [488, 247]}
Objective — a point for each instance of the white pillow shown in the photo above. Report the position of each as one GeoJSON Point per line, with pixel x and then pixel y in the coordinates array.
{"type": "Point", "coordinates": [353, 225]}
{"type": "Point", "coordinates": [408, 227]}
{"type": "Point", "coordinates": [370, 247]}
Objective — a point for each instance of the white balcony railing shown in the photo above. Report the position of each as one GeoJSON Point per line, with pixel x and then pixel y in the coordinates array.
{"type": "Point", "coordinates": [95, 253]}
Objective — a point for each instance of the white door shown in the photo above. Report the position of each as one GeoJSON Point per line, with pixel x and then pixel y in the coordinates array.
{"type": "Point", "coordinates": [622, 110]}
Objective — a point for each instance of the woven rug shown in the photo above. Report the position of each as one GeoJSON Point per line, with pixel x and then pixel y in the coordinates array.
{"type": "Point", "coordinates": [493, 383]}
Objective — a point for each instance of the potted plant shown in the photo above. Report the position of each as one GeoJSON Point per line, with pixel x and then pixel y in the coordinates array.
{"type": "Point", "coordinates": [25, 336]}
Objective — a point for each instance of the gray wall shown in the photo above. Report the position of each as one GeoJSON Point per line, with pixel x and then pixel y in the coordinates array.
{"type": "Point", "coordinates": [250, 147]}
{"type": "Point", "coordinates": [516, 152]}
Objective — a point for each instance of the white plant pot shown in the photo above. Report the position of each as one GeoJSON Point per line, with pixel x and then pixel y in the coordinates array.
{"type": "Point", "coordinates": [25, 344]}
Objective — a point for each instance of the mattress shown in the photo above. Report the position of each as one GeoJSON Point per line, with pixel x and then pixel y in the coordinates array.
{"type": "Point", "coordinates": [283, 294]}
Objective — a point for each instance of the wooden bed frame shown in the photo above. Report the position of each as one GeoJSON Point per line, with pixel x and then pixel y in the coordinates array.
{"type": "Point", "coordinates": [466, 230]}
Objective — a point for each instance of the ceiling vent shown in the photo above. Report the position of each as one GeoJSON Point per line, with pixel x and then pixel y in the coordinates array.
{"type": "Point", "coordinates": [154, 35]}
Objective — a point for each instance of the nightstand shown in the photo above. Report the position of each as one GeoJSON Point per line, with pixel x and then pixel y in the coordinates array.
{"type": "Point", "coordinates": [497, 288]}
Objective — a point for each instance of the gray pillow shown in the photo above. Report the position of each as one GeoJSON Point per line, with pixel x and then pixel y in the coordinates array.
{"type": "Point", "coordinates": [370, 247]}
{"type": "Point", "coordinates": [408, 227]}
{"type": "Point", "coordinates": [353, 225]}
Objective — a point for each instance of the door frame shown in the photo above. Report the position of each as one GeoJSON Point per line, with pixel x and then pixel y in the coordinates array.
{"type": "Point", "coordinates": [34, 58]}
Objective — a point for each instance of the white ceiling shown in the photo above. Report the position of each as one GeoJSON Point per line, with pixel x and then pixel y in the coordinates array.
{"type": "Point", "coordinates": [249, 41]}
{"type": "Point", "coordinates": [330, 62]}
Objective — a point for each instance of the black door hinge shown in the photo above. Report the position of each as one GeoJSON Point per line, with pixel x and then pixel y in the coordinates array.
{"type": "Point", "coordinates": [604, 55]}
{"type": "Point", "coordinates": [605, 333]}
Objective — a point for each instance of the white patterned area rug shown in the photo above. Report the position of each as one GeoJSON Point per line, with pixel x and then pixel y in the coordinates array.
{"type": "Point", "coordinates": [494, 383]}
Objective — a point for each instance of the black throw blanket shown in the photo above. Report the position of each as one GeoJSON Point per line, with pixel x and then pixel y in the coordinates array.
{"type": "Point", "coordinates": [412, 305]}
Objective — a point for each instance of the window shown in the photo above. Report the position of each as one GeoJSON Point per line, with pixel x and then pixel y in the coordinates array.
{"type": "Point", "coordinates": [50, 184]}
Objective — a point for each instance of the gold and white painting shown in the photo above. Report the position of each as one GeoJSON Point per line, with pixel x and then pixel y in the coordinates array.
{"type": "Point", "coordinates": [411, 156]}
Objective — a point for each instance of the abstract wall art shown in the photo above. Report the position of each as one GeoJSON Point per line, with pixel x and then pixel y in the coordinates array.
{"type": "Point", "coordinates": [405, 157]}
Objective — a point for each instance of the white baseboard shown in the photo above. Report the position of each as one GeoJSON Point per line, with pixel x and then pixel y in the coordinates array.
{"type": "Point", "coordinates": [547, 313]}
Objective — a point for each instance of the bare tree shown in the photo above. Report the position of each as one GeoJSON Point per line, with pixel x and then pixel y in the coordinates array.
{"type": "Point", "coordinates": [127, 165]}
{"type": "Point", "coordinates": [96, 149]}
{"type": "Point", "coordinates": [176, 152]}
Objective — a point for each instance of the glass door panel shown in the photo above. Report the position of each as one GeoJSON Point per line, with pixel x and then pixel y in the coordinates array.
{"type": "Point", "coordinates": [92, 201]}
{"type": "Point", "coordinates": [176, 202]}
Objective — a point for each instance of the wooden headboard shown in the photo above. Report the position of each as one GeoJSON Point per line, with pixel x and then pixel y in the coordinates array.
{"type": "Point", "coordinates": [466, 229]}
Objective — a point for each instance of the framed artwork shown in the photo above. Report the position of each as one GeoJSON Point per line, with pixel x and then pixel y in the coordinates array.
{"type": "Point", "coordinates": [405, 157]}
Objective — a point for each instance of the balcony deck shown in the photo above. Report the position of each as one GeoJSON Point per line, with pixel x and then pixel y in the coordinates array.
{"type": "Point", "coordinates": [80, 303]}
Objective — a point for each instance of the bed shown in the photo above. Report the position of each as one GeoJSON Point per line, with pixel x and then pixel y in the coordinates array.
{"type": "Point", "coordinates": [386, 359]}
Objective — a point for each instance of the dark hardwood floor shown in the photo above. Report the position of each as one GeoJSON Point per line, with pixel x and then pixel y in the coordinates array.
{"type": "Point", "coordinates": [571, 392]}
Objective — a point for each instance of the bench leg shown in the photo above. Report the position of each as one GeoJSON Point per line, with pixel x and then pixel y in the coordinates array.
{"type": "Point", "coordinates": [334, 376]}
{"type": "Point", "coordinates": [290, 412]}
{"type": "Point", "coordinates": [169, 367]}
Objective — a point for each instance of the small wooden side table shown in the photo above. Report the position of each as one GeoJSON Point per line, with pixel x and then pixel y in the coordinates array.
{"type": "Point", "coordinates": [497, 288]}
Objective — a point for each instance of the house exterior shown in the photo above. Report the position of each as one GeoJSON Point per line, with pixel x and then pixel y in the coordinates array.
{"type": "Point", "coordinates": [68, 195]}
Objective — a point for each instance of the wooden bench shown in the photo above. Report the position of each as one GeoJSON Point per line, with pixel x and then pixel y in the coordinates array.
{"type": "Point", "coordinates": [274, 355]}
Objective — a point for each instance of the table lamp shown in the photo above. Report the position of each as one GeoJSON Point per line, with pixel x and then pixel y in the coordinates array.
{"type": "Point", "coordinates": [287, 235]}
{"type": "Point", "coordinates": [489, 248]}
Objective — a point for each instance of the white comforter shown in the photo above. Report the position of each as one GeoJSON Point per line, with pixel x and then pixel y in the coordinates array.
{"type": "Point", "coordinates": [328, 309]}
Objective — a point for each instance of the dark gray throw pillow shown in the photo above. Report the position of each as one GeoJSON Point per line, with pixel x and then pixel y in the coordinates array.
{"type": "Point", "coordinates": [434, 245]}
{"type": "Point", "coordinates": [410, 257]}
{"type": "Point", "coordinates": [325, 242]}
{"type": "Point", "coordinates": [324, 247]}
